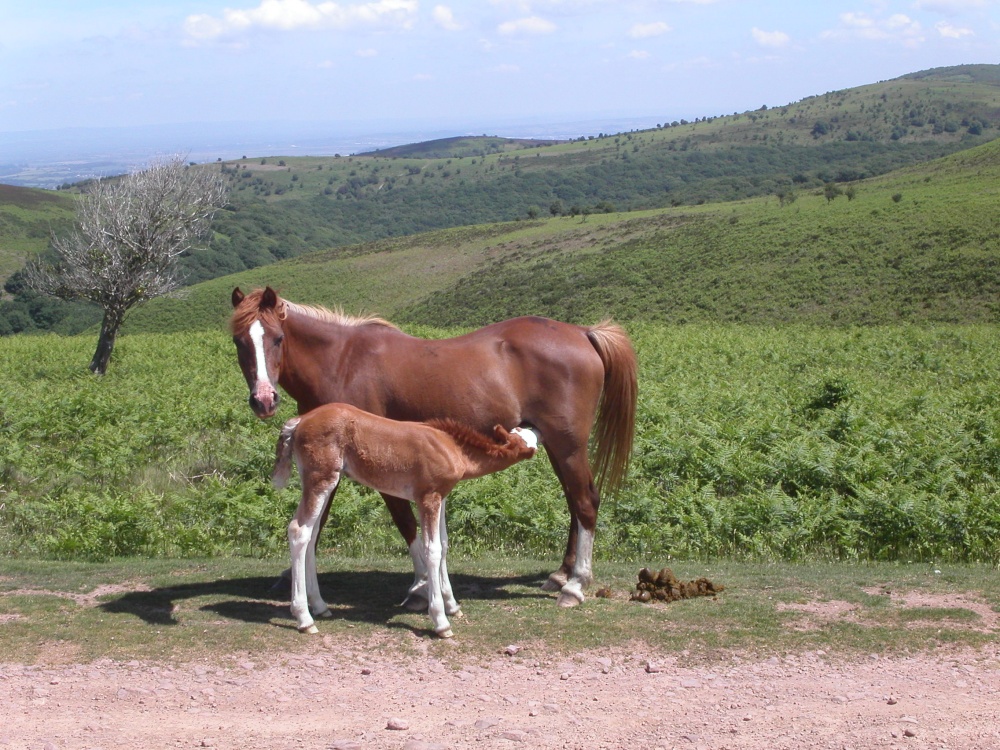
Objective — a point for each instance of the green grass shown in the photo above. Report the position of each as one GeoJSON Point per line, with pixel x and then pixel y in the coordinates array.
{"type": "Point", "coordinates": [752, 443]}
{"type": "Point", "coordinates": [183, 611]}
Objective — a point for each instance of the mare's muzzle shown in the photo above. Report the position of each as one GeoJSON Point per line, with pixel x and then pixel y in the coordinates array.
{"type": "Point", "coordinates": [264, 400]}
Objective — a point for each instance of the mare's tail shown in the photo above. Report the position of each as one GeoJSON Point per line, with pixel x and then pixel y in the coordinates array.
{"type": "Point", "coordinates": [283, 454]}
{"type": "Point", "coordinates": [615, 428]}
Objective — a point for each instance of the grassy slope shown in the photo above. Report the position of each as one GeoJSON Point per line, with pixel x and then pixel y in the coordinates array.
{"type": "Point", "coordinates": [929, 256]}
{"type": "Point", "coordinates": [27, 219]}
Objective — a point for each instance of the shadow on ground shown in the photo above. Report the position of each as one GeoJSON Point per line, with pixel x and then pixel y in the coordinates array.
{"type": "Point", "coordinates": [356, 596]}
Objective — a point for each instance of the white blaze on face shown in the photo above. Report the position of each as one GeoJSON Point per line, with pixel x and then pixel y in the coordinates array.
{"type": "Point", "coordinates": [257, 336]}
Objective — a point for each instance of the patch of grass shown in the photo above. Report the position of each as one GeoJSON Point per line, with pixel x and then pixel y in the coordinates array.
{"type": "Point", "coordinates": [156, 609]}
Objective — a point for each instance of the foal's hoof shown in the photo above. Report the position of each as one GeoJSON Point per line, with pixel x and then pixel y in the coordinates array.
{"type": "Point", "coordinates": [415, 603]}
{"type": "Point", "coordinates": [446, 633]}
{"type": "Point", "coordinates": [309, 629]}
{"type": "Point", "coordinates": [326, 614]}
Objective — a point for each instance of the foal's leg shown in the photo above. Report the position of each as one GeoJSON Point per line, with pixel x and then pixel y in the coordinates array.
{"type": "Point", "coordinates": [451, 605]}
{"type": "Point", "coordinates": [430, 514]}
{"type": "Point", "coordinates": [305, 585]}
{"type": "Point", "coordinates": [402, 515]}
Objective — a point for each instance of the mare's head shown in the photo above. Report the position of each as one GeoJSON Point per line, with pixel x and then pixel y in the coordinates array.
{"type": "Point", "coordinates": [256, 326]}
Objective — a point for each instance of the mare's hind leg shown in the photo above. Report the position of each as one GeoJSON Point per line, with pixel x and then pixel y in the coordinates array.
{"type": "Point", "coordinates": [402, 515]}
{"type": "Point", "coordinates": [301, 543]}
{"type": "Point", "coordinates": [573, 469]}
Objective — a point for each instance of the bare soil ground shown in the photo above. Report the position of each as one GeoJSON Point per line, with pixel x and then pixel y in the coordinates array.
{"type": "Point", "coordinates": [345, 694]}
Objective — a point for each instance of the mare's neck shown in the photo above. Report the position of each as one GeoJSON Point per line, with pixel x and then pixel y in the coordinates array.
{"type": "Point", "coordinates": [310, 352]}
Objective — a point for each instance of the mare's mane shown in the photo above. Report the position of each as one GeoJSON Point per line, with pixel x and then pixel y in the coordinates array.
{"type": "Point", "coordinates": [250, 310]}
{"type": "Point", "coordinates": [469, 438]}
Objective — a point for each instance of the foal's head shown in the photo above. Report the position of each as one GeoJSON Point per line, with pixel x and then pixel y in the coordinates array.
{"type": "Point", "coordinates": [257, 333]}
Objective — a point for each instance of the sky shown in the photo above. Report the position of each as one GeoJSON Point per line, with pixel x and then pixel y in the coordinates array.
{"type": "Point", "coordinates": [458, 65]}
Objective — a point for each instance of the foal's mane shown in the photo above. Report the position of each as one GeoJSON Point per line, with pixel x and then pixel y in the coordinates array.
{"type": "Point", "coordinates": [467, 437]}
{"type": "Point", "coordinates": [250, 310]}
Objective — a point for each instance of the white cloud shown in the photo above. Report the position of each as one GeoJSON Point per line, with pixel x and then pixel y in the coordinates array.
{"type": "Point", "coordinates": [444, 18]}
{"type": "Point", "coordinates": [527, 25]}
{"type": "Point", "coordinates": [949, 7]}
{"type": "Point", "coordinates": [367, 52]}
{"type": "Point", "coordinates": [770, 38]}
{"type": "Point", "coordinates": [506, 69]}
{"type": "Point", "coordinates": [423, 77]}
{"type": "Point", "coordinates": [289, 15]}
{"type": "Point", "coordinates": [639, 54]}
{"type": "Point", "coordinates": [646, 30]}
{"type": "Point", "coordinates": [897, 27]}
{"type": "Point", "coordinates": [950, 31]}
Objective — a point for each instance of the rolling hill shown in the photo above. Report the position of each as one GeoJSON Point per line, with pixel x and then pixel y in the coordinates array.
{"type": "Point", "coordinates": [284, 208]}
{"type": "Point", "coordinates": [918, 245]}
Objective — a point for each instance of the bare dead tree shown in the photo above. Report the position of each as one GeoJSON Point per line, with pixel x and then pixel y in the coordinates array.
{"type": "Point", "coordinates": [130, 234]}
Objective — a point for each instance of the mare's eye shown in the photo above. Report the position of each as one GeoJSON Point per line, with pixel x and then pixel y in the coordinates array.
{"type": "Point", "coordinates": [278, 340]}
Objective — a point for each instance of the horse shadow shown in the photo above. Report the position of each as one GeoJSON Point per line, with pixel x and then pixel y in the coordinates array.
{"type": "Point", "coordinates": [369, 596]}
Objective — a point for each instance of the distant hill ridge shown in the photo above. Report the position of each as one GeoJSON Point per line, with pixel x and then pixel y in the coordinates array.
{"type": "Point", "coordinates": [287, 207]}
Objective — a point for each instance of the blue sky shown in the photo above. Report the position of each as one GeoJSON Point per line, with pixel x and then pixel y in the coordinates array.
{"type": "Point", "coordinates": [456, 64]}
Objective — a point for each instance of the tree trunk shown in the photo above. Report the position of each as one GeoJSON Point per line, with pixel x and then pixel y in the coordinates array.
{"type": "Point", "coordinates": [106, 342]}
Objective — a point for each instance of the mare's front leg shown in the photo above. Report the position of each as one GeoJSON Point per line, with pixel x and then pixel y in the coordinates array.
{"type": "Point", "coordinates": [402, 515]}
{"type": "Point", "coordinates": [302, 537]}
{"type": "Point", "coordinates": [430, 514]}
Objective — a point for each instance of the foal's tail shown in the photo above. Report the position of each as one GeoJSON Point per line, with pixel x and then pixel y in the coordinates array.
{"type": "Point", "coordinates": [615, 427]}
{"type": "Point", "coordinates": [283, 454]}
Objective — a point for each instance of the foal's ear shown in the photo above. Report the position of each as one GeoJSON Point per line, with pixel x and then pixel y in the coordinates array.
{"type": "Point", "coordinates": [269, 299]}
{"type": "Point", "coordinates": [238, 297]}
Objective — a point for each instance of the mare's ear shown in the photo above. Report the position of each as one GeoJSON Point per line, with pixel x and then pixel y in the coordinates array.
{"type": "Point", "coordinates": [238, 297]}
{"type": "Point", "coordinates": [269, 299]}
{"type": "Point", "coordinates": [501, 434]}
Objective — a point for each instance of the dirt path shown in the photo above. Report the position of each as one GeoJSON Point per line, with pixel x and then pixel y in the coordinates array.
{"type": "Point", "coordinates": [351, 695]}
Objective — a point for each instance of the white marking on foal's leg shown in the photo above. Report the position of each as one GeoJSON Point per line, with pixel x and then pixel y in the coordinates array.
{"type": "Point", "coordinates": [429, 525]}
{"type": "Point", "coordinates": [451, 606]}
{"type": "Point", "coordinates": [571, 593]}
{"type": "Point", "coordinates": [302, 542]}
{"type": "Point", "coordinates": [416, 597]}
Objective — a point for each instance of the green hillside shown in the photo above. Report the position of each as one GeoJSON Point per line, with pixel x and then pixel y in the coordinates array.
{"type": "Point", "coordinates": [284, 208]}
{"type": "Point", "coordinates": [28, 217]}
{"type": "Point", "coordinates": [919, 245]}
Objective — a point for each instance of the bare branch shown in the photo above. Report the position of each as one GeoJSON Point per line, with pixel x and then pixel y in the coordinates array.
{"type": "Point", "coordinates": [130, 234]}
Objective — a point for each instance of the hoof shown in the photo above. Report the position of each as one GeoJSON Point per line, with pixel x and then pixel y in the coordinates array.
{"type": "Point", "coordinates": [446, 633]}
{"type": "Point", "coordinates": [326, 614]}
{"type": "Point", "coordinates": [415, 603]}
{"type": "Point", "coordinates": [570, 596]}
{"type": "Point", "coordinates": [309, 629]}
{"type": "Point", "coordinates": [555, 582]}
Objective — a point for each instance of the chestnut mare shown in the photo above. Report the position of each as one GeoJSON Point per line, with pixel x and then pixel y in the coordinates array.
{"type": "Point", "coordinates": [412, 460]}
{"type": "Point", "coordinates": [562, 380]}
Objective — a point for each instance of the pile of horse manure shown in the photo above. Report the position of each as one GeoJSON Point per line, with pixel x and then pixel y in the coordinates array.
{"type": "Point", "coordinates": [664, 587]}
